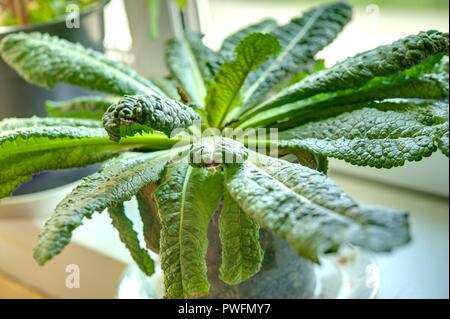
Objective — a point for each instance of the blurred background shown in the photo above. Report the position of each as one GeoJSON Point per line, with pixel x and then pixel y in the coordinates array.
{"type": "Point", "coordinates": [134, 32]}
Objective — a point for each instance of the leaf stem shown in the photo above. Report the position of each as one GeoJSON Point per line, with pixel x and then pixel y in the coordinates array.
{"type": "Point", "coordinates": [152, 141]}
{"type": "Point", "coordinates": [156, 141]}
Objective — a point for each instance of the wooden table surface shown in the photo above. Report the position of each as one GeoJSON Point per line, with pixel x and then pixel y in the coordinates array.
{"type": "Point", "coordinates": [9, 288]}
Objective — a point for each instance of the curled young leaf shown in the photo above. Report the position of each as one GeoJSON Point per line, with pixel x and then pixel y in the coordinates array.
{"type": "Point", "coordinates": [144, 113]}
{"type": "Point", "coordinates": [442, 143]}
{"type": "Point", "coordinates": [418, 82]}
{"type": "Point", "coordinates": [29, 146]}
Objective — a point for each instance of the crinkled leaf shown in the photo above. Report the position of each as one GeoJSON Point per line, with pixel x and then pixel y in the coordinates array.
{"type": "Point", "coordinates": [229, 45]}
{"type": "Point", "coordinates": [130, 238]}
{"type": "Point", "coordinates": [416, 82]}
{"type": "Point", "coordinates": [242, 254]}
{"type": "Point", "coordinates": [301, 39]}
{"type": "Point", "coordinates": [374, 137]}
{"type": "Point", "coordinates": [225, 91]}
{"type": "Point", "coordinates": [45, 60]}
{"type": "Point", "coordinates": [187, 198]}
{"type": "Point", "coordinates": [356, 71]}
{"type": "Point", "coordinates": [88, 107]}
{"type": "Point", "coordinates": [188, 59]}
{"type": "Point", "coordinates": [144, 113]}
{"type": "Point", "coordinates": [149, 216]}
{"type": "Point", "coordinates": [14, 123]}
{"type": "Point", "coordinates": [313, 67]}
{"type": "Point", "coordinates": [117, 181]}
{"type": "Point", "coordinates": [29, 146]}
{"type": "Point", "coordinates": [310, 211]}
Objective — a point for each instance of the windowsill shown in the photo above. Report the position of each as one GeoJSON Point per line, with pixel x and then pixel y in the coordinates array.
{"type": "Point", "coordinates": [428, 176]}
{"type": "Point", "coordinates": [420, 269]}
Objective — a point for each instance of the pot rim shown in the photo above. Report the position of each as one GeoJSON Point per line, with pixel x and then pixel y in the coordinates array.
{"type": "Point", "coordinates": [5, 30]}
{"type": "Point", "coordinates": [32, 197]}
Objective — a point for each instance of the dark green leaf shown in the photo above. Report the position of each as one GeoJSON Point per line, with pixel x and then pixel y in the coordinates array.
{"type": "Point", "coordinates": [29, 146]}
{"type": "Point", "coordinates": [150, 217]}
{"type": "Point", "coordinates": [313, 67]}
{"type": "Point", "coordinates": [229, 45]}
{"type": "Point", "coordinates": [13, 123]}
{"type": "Point", "coordinates": [187, 198]}
{"type": "Point", "coordinates": [168, 86]}
{"type": "Point", "coordinates": [379, 138]}
{"type": "Point", "coordinates": [242, 254]}
{"type": "Point", "coordinates": [46, 61]}
{"type": "Point", "coordinates": [225, 91]}
{"type": "Point", "coordinates": [356, 71]}
{"type": "Point", "coordinates": [307, 209]}
{"type": "Point", "coordinates": [117, 181]}
{"type": "Point", "coordinates": [301, 40]}
{"type": "Point", "coordinates": [130, 238]}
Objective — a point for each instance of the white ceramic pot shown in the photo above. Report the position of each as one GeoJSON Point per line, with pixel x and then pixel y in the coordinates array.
{"type": "Point", "coordinates": [34, 205]}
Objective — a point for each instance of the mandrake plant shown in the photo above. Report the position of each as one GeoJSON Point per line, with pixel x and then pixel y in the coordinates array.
{"type": "Point", "coordinates": [380, 108]}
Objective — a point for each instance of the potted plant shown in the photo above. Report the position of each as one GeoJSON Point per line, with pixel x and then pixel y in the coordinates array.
{"type": "Point", "coordinates": [228, 219]}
